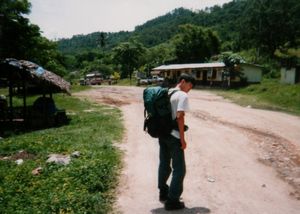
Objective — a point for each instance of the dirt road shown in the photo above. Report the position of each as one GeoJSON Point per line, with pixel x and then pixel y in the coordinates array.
{"type": "Point", "coordinates": [239, 160]}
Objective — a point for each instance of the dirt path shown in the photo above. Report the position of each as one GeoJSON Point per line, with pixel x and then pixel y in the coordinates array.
{"type": "Point", "coordinates": [239, 160]}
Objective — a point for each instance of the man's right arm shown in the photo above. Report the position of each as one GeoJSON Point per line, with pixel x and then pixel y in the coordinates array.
{"type": "Point", "coordinates": [180, 122]}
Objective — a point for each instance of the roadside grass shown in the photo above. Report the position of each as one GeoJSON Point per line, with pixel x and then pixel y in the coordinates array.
{"type": "Point", "coordinates": [127, 82]}
{"type": "Point", "coordinates": [270, 94]}
{"type": "Point", "coordinates": [86, 185]}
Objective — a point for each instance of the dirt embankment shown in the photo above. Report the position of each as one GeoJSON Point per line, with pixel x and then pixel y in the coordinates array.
{"type": "Point", "coordinates": [239, 160]}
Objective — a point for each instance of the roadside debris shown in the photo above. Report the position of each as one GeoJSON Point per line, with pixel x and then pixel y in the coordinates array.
{"type": "Point", "coordinates": [17, 157]}
{"type": "Point", "coordinates": [211, 179]}
{"type": "Point", "coordinates": [59, 159]}
{"type": "Point", "coordinates": [75, 154]}
{"type": "Point", "coordinates": [37, 171]}
{"type": "Point", "coordinates": [19, 161]}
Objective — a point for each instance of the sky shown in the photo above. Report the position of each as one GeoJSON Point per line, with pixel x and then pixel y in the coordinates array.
{"type": "Point", "coordinates": [64, 18]}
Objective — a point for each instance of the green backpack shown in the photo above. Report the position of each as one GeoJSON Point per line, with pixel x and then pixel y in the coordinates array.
{"type": "Point", "coordinates": [158, 114]}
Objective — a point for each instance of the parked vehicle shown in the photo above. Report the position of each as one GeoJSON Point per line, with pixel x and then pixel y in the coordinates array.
{"type": "Point", "coordinates": [93, 79]}
{"type": "Point", "coordinates": [143, 81]}
{"type": "Point", "coordinates": [148, 81]}
{"type": "Point", "coordinates": [156, 79]}
{"type": "Point", "coordinates": [82, 81]}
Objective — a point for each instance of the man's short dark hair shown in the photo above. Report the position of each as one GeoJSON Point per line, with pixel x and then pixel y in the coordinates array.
{"type": "Point", "coordinates": [188, 78]}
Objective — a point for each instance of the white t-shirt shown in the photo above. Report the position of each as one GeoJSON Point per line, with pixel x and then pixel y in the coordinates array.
{"type": "Point", "coordinates": [179, 102]}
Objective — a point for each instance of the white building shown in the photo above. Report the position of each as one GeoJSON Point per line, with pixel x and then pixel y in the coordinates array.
{"type": "Point", "coordinates": [290, 75]}
{"type": "Point", "coordinates": [252, 72]}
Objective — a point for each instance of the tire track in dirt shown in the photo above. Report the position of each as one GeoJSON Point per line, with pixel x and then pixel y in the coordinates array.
{"type": "Point", "coordinates": [110, 96]}
{"type": "Point", "coordinates": [275, 151]}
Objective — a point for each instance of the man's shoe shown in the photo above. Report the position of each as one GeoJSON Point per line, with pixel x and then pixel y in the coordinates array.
{"type": "Point", "coordinates": [174, 205]}
{"type": "Point", "coordinates": [163, 198]}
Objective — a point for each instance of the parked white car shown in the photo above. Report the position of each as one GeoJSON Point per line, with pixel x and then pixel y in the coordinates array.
{"type": "Point", "coordinates": [143, 81]}
{"type": "Point", "coordinates": [156, 79]}
{"type": "Point", "coordinates": [148, 81]}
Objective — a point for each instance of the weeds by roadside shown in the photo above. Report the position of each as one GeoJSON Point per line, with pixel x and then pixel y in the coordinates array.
{"type": "Point", "coordinates": [267, 95]}
{"type": "Point", "coordinates": [85, 185]}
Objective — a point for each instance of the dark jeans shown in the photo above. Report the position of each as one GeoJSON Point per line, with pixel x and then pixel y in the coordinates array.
{"type": "Point", "coordinates": [171, 153]}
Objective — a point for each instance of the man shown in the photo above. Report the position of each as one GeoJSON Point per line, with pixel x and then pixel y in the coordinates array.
{"type": "Point", "coordinates": [172, 148]}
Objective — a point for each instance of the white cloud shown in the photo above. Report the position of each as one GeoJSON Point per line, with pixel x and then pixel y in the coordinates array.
{"type": "Point", "coordinates": [65, 18]}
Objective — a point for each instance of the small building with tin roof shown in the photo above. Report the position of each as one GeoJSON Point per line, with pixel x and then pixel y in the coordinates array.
{"type": "Point", "coordinates": [205, 73]}
{"type": "Point", "coordinates": [213, 74]}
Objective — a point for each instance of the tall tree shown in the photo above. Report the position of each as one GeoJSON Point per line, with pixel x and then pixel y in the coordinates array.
{"type": "Point", "coordinates": [16, 31]}
{"type": "Point", "coordinates": [160, 54]}
{"type": "Point", "coordinates": [271, 24]}
{"type": "Point", "coordinates": [22, 40]}
{"type": "Point", "coordinates": [195, 44]}
{"type": "Point", "coordinates": [129, 56]}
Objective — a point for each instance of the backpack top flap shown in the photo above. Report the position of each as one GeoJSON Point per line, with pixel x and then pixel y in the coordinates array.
{"type": "Point", "coordinates": [155, 101]}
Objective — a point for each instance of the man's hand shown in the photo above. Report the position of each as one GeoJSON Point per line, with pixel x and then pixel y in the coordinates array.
{"type": "Point", "coordinates": [183, 145]}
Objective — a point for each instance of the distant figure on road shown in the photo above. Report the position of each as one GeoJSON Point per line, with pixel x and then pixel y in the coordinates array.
{"type": "Point", "coordinates": [172, 148]}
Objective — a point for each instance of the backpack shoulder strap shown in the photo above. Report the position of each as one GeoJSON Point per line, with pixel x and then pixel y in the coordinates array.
{"type": "Point", "coordinates": [173, 92]}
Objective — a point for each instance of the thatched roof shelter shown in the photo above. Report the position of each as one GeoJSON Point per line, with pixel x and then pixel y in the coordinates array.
{"type": "Point", "coordinates": [34, 76]}
{"type": "Point", "coordinates": [23, 78]}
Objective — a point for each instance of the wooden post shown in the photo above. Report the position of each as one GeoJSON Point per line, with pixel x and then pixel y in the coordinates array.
{"type": "Point", "coordinates": [24, 101]}
{"type": "Point", "coordinates": [10, 100]}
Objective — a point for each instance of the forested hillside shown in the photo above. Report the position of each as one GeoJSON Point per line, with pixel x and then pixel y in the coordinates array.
{"type": "Point", "coordinates": [222, 19]}
{"type": "Point", "coordinates": [92, 41]}
{"type": "Point", "coordinates": [240, 24]}
{"type": "Point", "coordinates": [161, 29]}
{"type": "Point", "coordinates": [260, 31]}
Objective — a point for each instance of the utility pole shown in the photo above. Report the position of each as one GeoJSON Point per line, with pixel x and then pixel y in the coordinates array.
{"type": "Point", "coordinates": [1, 34]}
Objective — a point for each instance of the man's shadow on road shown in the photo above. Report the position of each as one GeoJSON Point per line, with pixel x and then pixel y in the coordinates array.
{"type": "Point", "coordinates": [194, 210]}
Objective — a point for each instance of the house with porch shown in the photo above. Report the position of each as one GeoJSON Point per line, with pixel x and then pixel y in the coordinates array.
{"type": "Point", "coordinates": [205, 73]}
{"type": "Point", "coordinates": [211, 74]}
